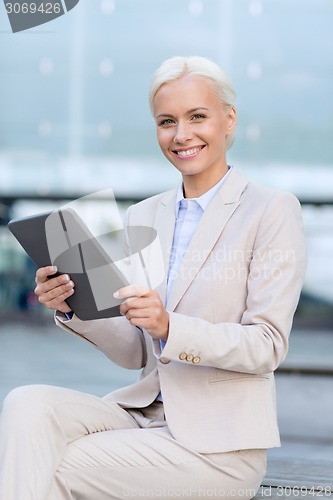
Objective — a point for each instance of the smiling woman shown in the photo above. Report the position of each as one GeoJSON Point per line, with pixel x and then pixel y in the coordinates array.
{"type": "Point", "coordinates": [208, 338]}
{"type": "Point", "coordinates": [194, 138]}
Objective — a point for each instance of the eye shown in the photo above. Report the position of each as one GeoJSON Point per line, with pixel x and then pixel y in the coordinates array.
{"type": "Point", "coordinates": [165, 122]}
{"type": "Point", "coordinates": [198, 116]}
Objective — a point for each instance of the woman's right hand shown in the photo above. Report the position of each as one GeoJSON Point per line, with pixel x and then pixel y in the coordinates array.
{"type": "Point", "coordinates": [52, 292]}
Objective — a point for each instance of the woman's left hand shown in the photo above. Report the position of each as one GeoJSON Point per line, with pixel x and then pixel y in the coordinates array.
{"type": "Point", "coordinates": [143, 308]}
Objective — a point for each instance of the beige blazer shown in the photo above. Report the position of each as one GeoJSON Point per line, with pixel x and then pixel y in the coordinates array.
{"type": "Point", "coordinates": [231, 309]}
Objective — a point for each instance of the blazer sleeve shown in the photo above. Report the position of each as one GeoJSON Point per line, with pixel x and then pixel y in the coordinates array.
{"type": "Point", "coordinates": [259, 342]}
{"type": "Point", "coordinates": [121, 342]}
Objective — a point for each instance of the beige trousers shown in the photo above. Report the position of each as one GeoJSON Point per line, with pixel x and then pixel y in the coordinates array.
{"type": "Point", "coordinates": [60, 444]}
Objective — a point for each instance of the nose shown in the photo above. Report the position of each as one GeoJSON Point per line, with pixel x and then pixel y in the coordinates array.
{"type": "Point", "coordinates": [183, 133]}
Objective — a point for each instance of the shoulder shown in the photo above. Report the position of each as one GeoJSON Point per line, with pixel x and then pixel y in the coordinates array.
{"type": "Point", "coordinates": [265, 197]}
{"type": "Point", "coordinates": [252, 194]}
{"type": "Point", "coordinates": [272, 211]}
{"type": "Point", "coordinates": [258, 202]}
{"type": "Point", "coordinates": [270, 193]}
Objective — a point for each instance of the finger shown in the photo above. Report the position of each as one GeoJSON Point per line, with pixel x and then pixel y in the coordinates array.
{"type": "Point", "coordinates": [131, 303]}
{"type": "Point", "coordinates": [56, 300]}
{"type": "Point", "coordinates": [53, 288]}
{"type": "Point", "coordinates": [55, 292]}
{"type": "Point", "coordinates": [43, 273]}
{"type": "Point", "coordinates": [137, 313]}
{"type": "Point", "coordinates": [50, 284]}
{"type": "Point", "coordinates": [131, 291]}
{"type": "Point", "coordinates": [135, 303]}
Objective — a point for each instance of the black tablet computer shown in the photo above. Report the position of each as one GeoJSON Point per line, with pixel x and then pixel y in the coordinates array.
{"type": "Point", "coordinates": [62, 239]}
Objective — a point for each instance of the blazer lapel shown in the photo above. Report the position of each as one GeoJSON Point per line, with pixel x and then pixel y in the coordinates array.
{"type": "Point", "coordinates": [209, 229]}
{"type": "Point", "coordinates": [164, 224]}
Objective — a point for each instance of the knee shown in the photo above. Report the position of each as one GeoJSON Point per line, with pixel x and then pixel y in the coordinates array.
{"type": "Point", "coordinates": [24, 400]}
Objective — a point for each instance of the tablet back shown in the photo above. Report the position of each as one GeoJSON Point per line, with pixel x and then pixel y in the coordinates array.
{"type": "Point", "coordinates": [61, 238]}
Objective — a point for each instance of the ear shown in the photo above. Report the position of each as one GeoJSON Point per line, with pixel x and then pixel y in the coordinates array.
{"type": "Point", "coordinates": [232, 119]}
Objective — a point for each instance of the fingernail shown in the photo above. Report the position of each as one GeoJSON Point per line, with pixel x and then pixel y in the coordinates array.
{"type": "Point", "coordinates": [116, 295]}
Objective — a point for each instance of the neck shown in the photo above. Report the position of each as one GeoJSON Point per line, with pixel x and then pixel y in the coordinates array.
{"type": "Point", "coordinates": [195, 186]}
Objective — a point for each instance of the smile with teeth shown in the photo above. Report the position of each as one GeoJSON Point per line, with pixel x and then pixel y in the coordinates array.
{"type": "Point", "coordinates": [189, 152]}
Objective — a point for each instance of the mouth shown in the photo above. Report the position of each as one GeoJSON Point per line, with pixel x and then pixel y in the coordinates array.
{"type": "Point", "coordinates": [189, 152]}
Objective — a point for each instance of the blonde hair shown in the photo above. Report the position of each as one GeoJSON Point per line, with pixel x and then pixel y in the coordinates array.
{"type": "Point", "coordinates": [177, 67]}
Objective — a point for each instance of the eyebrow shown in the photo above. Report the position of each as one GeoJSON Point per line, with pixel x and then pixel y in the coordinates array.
{"type": "Point", "coordinates": [193, 110]}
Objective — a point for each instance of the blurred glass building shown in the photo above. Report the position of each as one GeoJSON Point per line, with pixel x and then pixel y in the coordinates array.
{"type": "Point", "coordinates": [75, 117]}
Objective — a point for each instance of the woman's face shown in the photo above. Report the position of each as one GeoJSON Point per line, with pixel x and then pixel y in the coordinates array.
{"type": "Point", "coordinates": [192, 128]}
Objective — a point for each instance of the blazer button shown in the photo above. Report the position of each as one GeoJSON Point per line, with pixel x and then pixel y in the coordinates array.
{"type": "Point", "coordinates": [165, 361]}
{"type": "Point", "coordinates": [189, 357]}
{"type": "Point", "coordinates": [196, 359]}
{"type": "Point", "coordinates": [182, 356]}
